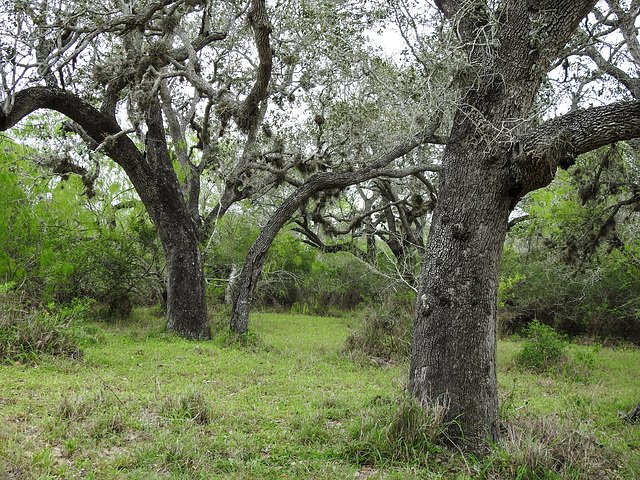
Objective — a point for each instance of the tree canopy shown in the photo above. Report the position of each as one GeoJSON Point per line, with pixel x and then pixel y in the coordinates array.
{"type": "Point", "coordinates": [205, 104]}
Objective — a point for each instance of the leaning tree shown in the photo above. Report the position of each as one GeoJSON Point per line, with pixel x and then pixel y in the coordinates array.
{"type": "Point", "coordinates": [168, 88]}
{"type": "Point", "coordinates": [134, 82]}
{"type": "Point", "coordinates": [500, 144]}
{"type": "Point", "coordinates": [189, 98]}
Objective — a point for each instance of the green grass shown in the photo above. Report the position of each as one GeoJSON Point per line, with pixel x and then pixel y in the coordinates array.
{"type": "Point", "coordinates": [287, 403]}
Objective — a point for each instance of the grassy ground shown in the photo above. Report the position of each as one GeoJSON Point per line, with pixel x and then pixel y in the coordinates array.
{"type": "Point", "coordinates": [288, 404]}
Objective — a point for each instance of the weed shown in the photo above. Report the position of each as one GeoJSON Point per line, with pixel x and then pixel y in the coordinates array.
{"type": "Point", "coordinates": [71, 445]}
{"type": "Point", "coordinates": [543, 348]}
{"type": "Point", "coordinates": [76, 408]}
{"type": "Point", "coordinates": [313, 430]}
{"type": "Point", "coordinates": [582, 364]}
{"type": "Point", "coordinates": [191, 406]}
{"type": "Point", "coordinates": [225, 337]}
{"type": "Point", "coordinates": [108, 424]}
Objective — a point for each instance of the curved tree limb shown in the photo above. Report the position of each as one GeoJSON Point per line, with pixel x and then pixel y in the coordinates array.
{"type": "Point", "coordinates": [98, 125]}
{"type": "Point", "coordinates": [252, 267]}
{"type": "Point", "coordinates": [557, 142]}
{"type": "Point", "coordinates": [247, 114]}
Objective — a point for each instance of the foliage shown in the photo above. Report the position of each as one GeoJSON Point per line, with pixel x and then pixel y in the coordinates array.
{"type": "Point", "coordinates": [26, 335]}
{"type": "Point", "coordinates": [60, 245]}
{"type": "Point", "coordinates": [384, 331]}
{"type": "Point", "coordinates": [296, 276]}
{"type": "Point", "coordinates": [543, 348]}
{"type": "Point", "coordinates": [226, 248]}
{"type": "Point", "coordinates": [546, 351]}
{"type": "Point", "coordinates": [573, 263]}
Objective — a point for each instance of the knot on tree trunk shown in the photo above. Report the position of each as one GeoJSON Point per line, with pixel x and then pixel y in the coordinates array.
{"type": "Point", "coordinates": [534, 165]}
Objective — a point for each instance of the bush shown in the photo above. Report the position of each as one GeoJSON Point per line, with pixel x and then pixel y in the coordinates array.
{"type": "Point", "coordinates": [570, 264]}
{"type": "Point", "coordinates": [386, 332]}
{"type": "Point", "coordinates": [543, 349]}
{"type": "Point", "coordinates": [55, 330]}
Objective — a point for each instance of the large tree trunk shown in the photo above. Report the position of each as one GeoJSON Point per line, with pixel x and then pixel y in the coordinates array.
{"type": "Point", "coordinates": [454, 349]}
{"type": "Point", "coordinates": [186, 296]}
{"type": "Point", "coordinates": [157, 184]}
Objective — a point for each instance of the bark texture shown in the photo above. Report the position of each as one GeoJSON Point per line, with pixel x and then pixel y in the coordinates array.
{"type": "Point", "coordinates": [179, 234]}
{"type": "Point", "coordinates": [485, 171]}
{"type": "Point", "coordinates": [157, 185]}
{"type": "Point", "coordinates": [633, 415]}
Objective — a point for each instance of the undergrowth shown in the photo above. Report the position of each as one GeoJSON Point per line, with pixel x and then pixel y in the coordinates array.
{"type": "Point", "coordinates": [546, 448]}
{"type": "Point", "coordinates": [384, 332]}
{"type": "Point", "coordinates": [543, 348]}
{"type": "Point", "coordinates": [546, 351]}
{"type": "Point", "coordinates": [288, 404]}
{"type": "Point", "coordinates": [27, 333]}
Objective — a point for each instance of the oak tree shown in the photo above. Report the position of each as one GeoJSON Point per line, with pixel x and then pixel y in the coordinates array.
{"type": "Point", "coordinates": [195, 100]}
{"type": "Point", "coordinates": [499, 148]}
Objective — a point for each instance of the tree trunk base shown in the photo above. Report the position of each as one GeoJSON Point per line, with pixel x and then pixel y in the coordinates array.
{"type": "Point", "coordinates": [633, 415]}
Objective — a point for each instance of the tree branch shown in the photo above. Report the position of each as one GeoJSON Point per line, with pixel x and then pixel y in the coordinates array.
{"type": "Point", "coordinates": [95, 123]}
{"type": "Point", "coordinates": [632, 84]}
{"type": "Point", "coordinates": [557, 142]}
{"type": "Point", "coordinates": [247, 114]}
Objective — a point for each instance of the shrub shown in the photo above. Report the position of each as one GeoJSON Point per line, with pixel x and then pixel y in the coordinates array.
{"type": "Point", "coordinates": [543, 349]}
{"type": "Point", "coordinates": [25, 334]}
{"type": "Point", "coordinates": [385, 331]}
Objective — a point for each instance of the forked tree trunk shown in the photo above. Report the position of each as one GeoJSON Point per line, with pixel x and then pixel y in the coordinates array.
{"type": "Point", "coordinates": [186, 288]}
{"type": "Point", "coordinates": [158, 187]}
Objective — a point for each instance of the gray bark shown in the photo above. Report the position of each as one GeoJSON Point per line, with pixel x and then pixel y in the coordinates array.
{"type": "Point", "coordinates": [252, 267]}
{"type": "Point", "coordinates": [484, 175]}
{"type": "Point", "coordinates": [633, 415]}
{"type": "Point", "coordinates": [157, 185]}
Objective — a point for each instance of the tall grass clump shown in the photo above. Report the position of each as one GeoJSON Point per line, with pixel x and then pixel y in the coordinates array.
{"type": "Point", "coordinates": [543, 448]}
{"type": "Point", "coordinates": [27, 333]}
{"type": "Point", "coordinates": [396, 431]}
{"type": "Point", "coordinates": [191, 405]}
